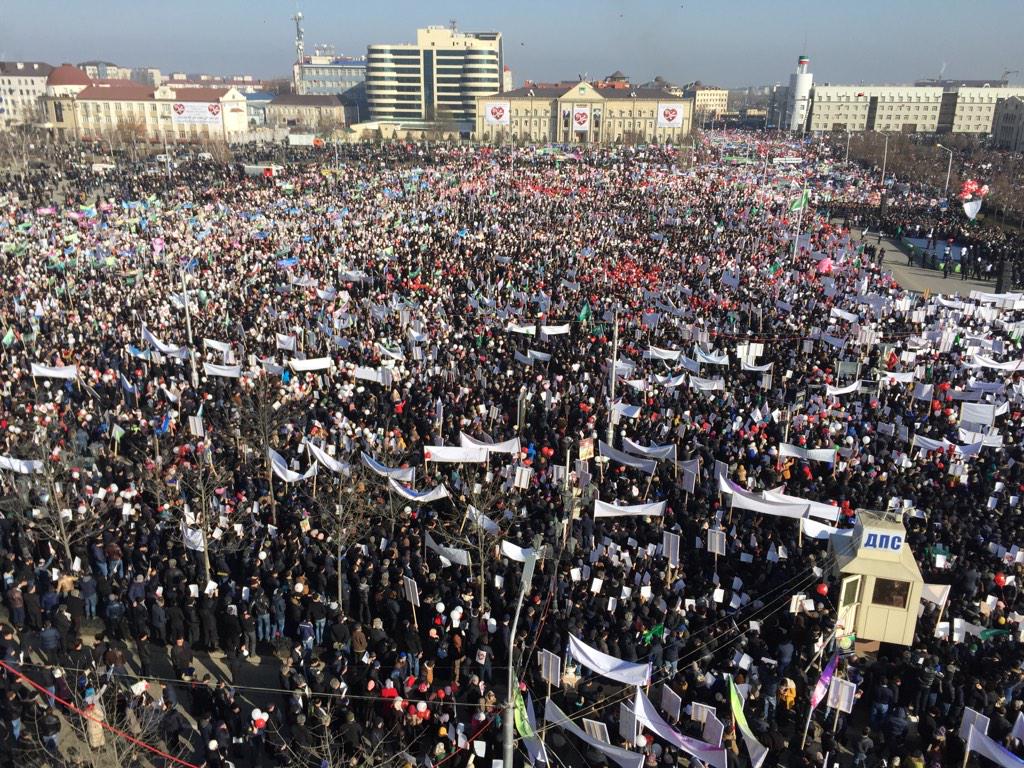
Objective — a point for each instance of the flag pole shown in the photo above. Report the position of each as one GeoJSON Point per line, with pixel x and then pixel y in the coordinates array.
{"type": "Point", "coordinates": [800, 216]}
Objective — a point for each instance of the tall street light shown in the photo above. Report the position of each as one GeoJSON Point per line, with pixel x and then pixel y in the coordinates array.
{"type": "Point", "coordinates": [885, 157]}
{"type": "Point", "coordinates": [949, 169]}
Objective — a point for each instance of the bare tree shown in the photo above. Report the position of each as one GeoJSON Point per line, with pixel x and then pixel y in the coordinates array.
{"type": "Point", "coordinates": [50, 505]}
{"type": "Point", "coordinates": [264, 409]}
{"type": "Point", "coordinates": [94, 746]}
{"type": "Point", "coordinates": [344, 507]}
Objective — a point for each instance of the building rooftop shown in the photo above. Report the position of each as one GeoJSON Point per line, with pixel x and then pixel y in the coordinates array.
{"type": "Point", "coordinates": [297, 100]}
{"type": "Point", "coordinates": [127, 90]}
{"type": "Point", "coordinates": [25, 68]}
{"type": "Point", "coordinates": [66, 74]}
{"type": "Point", "coordinates": [555, 90]}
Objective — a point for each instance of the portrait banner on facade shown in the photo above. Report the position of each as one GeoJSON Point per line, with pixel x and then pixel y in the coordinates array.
{"type": "Point", "coordinates": [497, 113]}
{"type": "Point", "coordinates": [670, 114]}
{"type": "Point", "coordinates": [195, 113]}
{"type": "Point", "coordinates": [581, 118]}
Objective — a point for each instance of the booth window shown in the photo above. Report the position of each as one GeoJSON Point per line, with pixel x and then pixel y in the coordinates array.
{"type": "Point", "coordinates": [890, 593]}
{"type": "Point", "coordinates": [851, 590]}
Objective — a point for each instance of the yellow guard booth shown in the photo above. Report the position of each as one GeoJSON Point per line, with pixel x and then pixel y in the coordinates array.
{"type": "Point", "coordinates": [881, 582]}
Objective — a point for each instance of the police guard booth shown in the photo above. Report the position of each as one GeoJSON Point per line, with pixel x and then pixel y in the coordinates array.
{"type": "Point", "coordinates": [881, 582]}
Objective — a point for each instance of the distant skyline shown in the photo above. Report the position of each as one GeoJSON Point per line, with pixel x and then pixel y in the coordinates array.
{"type": "Point", "coordinates": [731, 43]}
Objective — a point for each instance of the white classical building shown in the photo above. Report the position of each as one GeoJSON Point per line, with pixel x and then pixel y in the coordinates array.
{"type": "Point", "coordinates": [22, 87]}
{"type": "Point", "coordinates": [76, 108]}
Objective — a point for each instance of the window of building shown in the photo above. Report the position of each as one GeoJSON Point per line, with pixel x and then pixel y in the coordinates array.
{"type": "Point", "coordinates": [891, 593]}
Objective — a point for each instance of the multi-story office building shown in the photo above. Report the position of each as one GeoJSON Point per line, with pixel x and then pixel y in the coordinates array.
{"type": "Point", "coordinates": [105, 70]}
{"type": "Point", "coordinates": [708, 102]}
{"type": "Point", "coordinates": [1008, 124]}
{"type": "Point", "coordinates": [903, 108]}
{"type": "Point", "coordinates": [22, 87]}
{"type": "Point", "coordinates": [320, 75]}
{"type": "Point", "coordinates": [437, 79]}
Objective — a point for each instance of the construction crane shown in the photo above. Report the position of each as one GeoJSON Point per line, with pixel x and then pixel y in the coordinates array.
{"type": "Point", "coordinates": [1008, 72]}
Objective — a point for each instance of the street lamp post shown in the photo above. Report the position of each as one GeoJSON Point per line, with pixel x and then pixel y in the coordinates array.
{"type": "Point", "coordinates": [949, 169]}
{"type": "Point", "coordinates": [885, 157]}
{"type": "Point", "coordinates": [849, 135]}
{"type": "Point", "coordinates": [508, 727]}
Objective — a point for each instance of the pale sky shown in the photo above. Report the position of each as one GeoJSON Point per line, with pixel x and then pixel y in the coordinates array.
{"type": "Point", "coordinates": [723, 42]}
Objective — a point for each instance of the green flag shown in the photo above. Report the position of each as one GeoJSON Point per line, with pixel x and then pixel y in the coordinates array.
{"type": "Point", "coordinates": [800, 203]}
{"type": "Point", "coordinates": [988, 634]}
{"type": "Point", "coordinates": [658, 630]}
{"type": "Point", "coordinates": [117, 432]}
{"type": "Point", "coordinates": [585, 313]}
{"type": "Point", "coordinates": [755, 749]}
{"type": "Point", "coordinates": [9, 337]}
{"type": "Point", "coordinates": [521, 719]}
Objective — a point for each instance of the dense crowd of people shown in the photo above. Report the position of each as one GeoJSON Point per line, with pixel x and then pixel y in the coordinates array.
{"type": "Point", "coordinates": [226, 397]}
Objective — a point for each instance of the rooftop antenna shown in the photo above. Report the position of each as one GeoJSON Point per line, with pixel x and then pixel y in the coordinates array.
{"type": "Point", "coordinates": [299, 44]}
{"type": "Point", "coordinates": [452, 25]}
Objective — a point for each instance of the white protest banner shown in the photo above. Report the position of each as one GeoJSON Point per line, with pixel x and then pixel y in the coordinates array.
{"type": "Point", "coordinates": [656, 353]}
{"type": "Point", "coordinates": [337, 467]}
{"type": "Point", "coordinates": [482, 520]}
{"type": "Point", "coordinates": [219, 346]}
{"type": "Point", "coordinates": [603, 509]}
{"type": "Point", "coordinates": [420, 497]}
{"type": "Point", "coordinates": [313, 364]}
{"type": "Point", "coordinates": [813, 454]}
{"type": "Point", "coordinates": [752, 502]}
{"type": "Point", "coordinates": [978, 742]}
{"type": "Point", "coordinates": [506, 446]}
{"type": "Point", "coordinates": [446, 454]}
{"type": "Point", "coordinates": [707, 385]}
{"type": "Point", "coordinates": [280, 468]}
{"type": "Point", "coordinates": [515, 552]}
{"type": "Point", "coordinates": [405, 474]}
{"type": "Point", "coordinates": [609, 666]}
{"type": "Point", "coordinates": [54, 372]}
{"type": "Point", "coordinates": [831, 391]}
{"type": "Point", "coordinates": [648, 717]}
{"type": "Point", "coordinates": [224, 371]}
{"type": "Point", "coordinates": [166, 349]}
{"type": "Point", "coordinates": [821, 531]}
{"type": "Point", "coordinates": [554, 330]}
{"type": "Point", "coordinates": [651, 451]}
{"type": "Point", "coordinates": [644, 465]}
{"type": "Point", "coordinates": [457, 556]}
{"type": "Point", "coordinates": [827, 512]}
{"type": "Point", "coordinates": [21, 466]}
{"type": "Point", "coordinates": [625, 759]}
